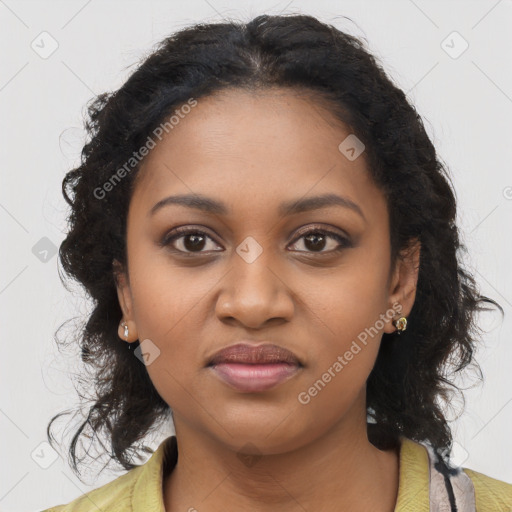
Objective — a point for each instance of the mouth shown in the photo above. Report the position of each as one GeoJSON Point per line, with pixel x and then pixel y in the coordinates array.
{"type": "Point", "coordinates": [254, 368]}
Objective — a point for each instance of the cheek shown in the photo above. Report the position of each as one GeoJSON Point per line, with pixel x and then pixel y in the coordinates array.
{"type": "Point", "coordinates": [172, 329]}
{"type": "Point", "coordinates": [169, 311]}
{"type": "Point", "coordinates": [171, 317]}
{"type": "Point", "coordinates": [348, 312]}
{"type": "Point", "coordinates": [165, 295]}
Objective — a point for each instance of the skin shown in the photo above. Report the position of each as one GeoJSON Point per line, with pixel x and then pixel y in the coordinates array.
{"type": "Point", "coordinates": [253, 151]}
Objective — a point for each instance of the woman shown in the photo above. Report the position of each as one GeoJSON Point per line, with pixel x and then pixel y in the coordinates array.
{"type": "Point", "coordinates": [270, 242]}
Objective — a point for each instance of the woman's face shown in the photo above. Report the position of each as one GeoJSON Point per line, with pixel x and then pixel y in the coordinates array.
{"type": "Point", "coordinates": [250, 271]}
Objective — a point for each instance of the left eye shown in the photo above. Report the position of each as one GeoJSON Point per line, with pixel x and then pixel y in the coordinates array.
{"type": "Point", "coordinates": [315, 241]}
{"type": "Point", "coordinates": [318, 239]}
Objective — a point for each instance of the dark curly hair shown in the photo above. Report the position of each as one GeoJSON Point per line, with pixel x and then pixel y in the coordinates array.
{"type": "Point", "coordinates": [303, 54]}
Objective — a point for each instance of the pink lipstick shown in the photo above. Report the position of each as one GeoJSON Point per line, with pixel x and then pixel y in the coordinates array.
{"type": "Point", "coordinates": [254, 368]}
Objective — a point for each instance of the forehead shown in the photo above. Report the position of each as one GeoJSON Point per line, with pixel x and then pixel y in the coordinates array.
{"type": "Point", "coordinates": [254, 147]}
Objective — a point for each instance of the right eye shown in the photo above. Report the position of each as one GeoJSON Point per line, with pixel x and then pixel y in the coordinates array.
{"type": "Point", "coordinates": [191, 240]}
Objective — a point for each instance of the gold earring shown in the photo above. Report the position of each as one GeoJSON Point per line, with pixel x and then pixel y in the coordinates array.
{"type": "Point", "coordinates": [400, 324]}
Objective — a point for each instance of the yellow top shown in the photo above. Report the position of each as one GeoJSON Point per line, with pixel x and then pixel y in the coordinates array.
{"type": "Point", "coordinates": [140, 489]}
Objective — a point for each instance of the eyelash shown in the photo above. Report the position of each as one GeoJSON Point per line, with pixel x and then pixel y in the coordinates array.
{"type": "Point", "coordinates": [181, 232]}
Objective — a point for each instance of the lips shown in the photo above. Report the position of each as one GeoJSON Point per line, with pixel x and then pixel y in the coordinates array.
{"type": "Point", "coordinates": [245, 353]}
{"type": "Point", "coordinates": [251, 368]}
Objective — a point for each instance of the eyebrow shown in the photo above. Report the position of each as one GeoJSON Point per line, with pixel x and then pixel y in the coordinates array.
{"type": "Point", "coordinates": [210, 205]}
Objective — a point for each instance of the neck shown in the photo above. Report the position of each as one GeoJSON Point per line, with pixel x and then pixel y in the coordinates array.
{"type": "Point", "coordinates": [340, 467]}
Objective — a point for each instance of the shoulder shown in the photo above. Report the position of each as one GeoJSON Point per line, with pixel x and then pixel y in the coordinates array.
{"type": "Point", "coordinates": [138, 490]}
{"type": "Point", "coordinates": [490, 493]}
{"type": "Point", "coordinates": [425, 479]}
{"type": "Point", "coordinates": [114, 496]}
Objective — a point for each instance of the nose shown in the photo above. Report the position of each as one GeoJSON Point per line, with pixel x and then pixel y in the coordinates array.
{"type": "Point", "coordinates": [254, 293]}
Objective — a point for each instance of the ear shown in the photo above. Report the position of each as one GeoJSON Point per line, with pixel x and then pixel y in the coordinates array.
{"type": "Point", "coordinates": [125, 301]}
{"type": "Point", "coordinates": [403, 284]}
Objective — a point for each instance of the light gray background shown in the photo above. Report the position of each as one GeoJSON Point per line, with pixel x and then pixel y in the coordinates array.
{"type": "Point", "coordinates": [466, 103]}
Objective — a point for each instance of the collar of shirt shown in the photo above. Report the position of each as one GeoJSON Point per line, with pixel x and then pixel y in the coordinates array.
{"type": "Point", "coordinates": [413, 488]}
